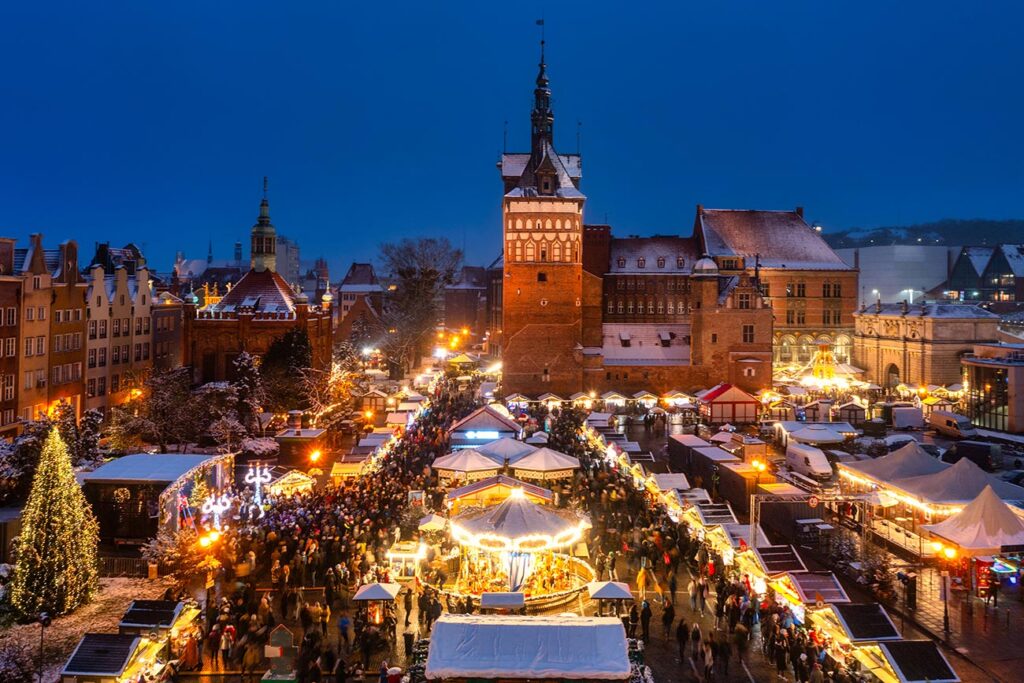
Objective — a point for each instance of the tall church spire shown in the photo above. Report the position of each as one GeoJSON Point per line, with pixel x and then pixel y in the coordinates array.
{"type": "Point", "coordinates": [264, 237]}
{"type": "Point", "coordinates": [542, 118]}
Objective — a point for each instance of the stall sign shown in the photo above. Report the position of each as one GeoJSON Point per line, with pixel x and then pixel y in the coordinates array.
{"type": "Point", "coordinates": [416, 497]}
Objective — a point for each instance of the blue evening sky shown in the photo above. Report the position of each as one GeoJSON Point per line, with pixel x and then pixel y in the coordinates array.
{"type": "Point", "coordinates": [155, 121]}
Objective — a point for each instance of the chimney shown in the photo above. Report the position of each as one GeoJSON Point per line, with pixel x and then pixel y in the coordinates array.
{"type": "Point", "coordinates": [800, 211]}
{"type": "Point", "coordinates": [904, 307]}
{"type": "Point", "coordinates": [295, 419]}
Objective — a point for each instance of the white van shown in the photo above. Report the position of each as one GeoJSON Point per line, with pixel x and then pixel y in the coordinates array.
{"type": "Point", "coordinates": [808, 461]}
{"type": "Point", "coordinates": [951, 424]}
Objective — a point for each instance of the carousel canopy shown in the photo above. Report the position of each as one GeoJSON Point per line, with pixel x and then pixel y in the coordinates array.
{"type": "Point", "coordinates": [506, 450]}
{"type": "Point", "coordinates": [547, 460]}
{"type": "Point", "coordinates": [502, 481]}
{"type": "Point", "coordinates": [609, 590]}
{"type": "Point", "coordinates": [377, 591]}
{"type": "Point", "coordinates": [466, 460]}
{"type": "Point", "coordinates": [816, 433]}
{"type": "Point", "coordinates": [960, 483]}
{"type": "Point", "coordinates": [907, 461]}
{"type": "Point", "coordinates": [534, 647]}
{"type": "Point", "coordinates": [984, 527]}
{"type": "Point", "coordinates": [518, 523]}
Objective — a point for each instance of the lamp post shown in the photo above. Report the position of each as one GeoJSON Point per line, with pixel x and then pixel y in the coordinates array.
{"type": "Point", "coordinates": [43, 620]}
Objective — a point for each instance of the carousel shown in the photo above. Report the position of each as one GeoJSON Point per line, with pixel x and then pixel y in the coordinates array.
{"type": "Point", "coordinates": [520, 546]}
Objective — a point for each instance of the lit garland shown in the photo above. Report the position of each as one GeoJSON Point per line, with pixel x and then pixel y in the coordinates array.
{"type": "Point", "coordinates": [57, 567]}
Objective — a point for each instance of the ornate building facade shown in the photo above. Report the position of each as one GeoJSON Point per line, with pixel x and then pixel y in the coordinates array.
{"type": "Point", "coordinates": [253, 313]}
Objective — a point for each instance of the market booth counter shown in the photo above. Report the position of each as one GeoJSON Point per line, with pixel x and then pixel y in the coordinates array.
{"type": "Point", "coordinates": [404, 559]}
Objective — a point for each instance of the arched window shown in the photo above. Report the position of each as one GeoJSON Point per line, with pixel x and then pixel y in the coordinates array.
{"type": "Point", "coordinates": [661, 306]}
{"type": "Point", "coordinates": [611, 306]}
{"type": "Point", "coordinates": [558, 224]}
{"type": "Point", "coordinates": [619, 307]}
{"type": "Point", "coordinates": [543, 252]}
{"type": "Point", "coordinates": [519, 251]}
{"type": "Point", "coordinates": [519, 224]}
{"type": "Point", "coordinates": [629, 306]}
{"type": "Point", "coordinates": [529, 224]}
{"type": "Point", "coordinates": [650, 305]}
{"type": "Point", "coordinates": [547, 224]}
{"type": "Point", "coordinates": [530, 250]}
{"type": "Point", "coordinates": [556, 251]}
{"type": "Point", "coordinates": [671, 307]}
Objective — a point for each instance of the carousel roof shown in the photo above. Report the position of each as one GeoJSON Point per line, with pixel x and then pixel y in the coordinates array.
{"type": "Point", "coordinates": [609, 590]}
{"type": "Point", "coordinates": [546, 460]}
{"type": "Point", "coordinates": [499, 480]}
{"type": "Point", "coordinates": [517, 523]}
{"type": "Point", "coordinates": [466, 460]}
{"type": "Point", "coordinates": [984, 526]}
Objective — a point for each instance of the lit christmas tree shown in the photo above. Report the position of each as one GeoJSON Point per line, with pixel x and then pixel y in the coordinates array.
{"type": "Point", "coordinates": [56, 569]}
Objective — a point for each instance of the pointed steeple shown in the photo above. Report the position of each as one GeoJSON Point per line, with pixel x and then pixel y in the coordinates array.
{"type": "Point", "coordinates": [542, 118]}
{"type": "Point", "coordinates": [264, 237]}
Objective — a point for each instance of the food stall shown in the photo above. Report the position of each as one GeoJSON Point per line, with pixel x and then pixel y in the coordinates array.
{"type": "Point", "coordinates": [404, 559]}
{"type": "Point", "coordinates": [115, 658]}
{"type": "Point", "coordinates": [291, 483]}
{"type": "Point", "coordinates": [378, 598]}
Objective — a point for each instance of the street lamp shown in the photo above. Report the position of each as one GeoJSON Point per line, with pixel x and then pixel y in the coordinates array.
{"type": "Point", "coordinates": [759, 467]}
{"type": "Point", "coordinates": [43, 620]}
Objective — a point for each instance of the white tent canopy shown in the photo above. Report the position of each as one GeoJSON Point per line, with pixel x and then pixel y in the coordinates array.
{"type": "Point", "coordinates": [907, 461]}
{"type": "Point", "coordinates": [433, 522]}
{"type": "Point", "coordinates": [609, 590]}
{"type": "Point", "coordinates": [466, 460]}
{"type": "Point", "coordinates": [377, 591]}
{"type": "Point", "coordinates": [534, 647]}
{"type": "Point", "coordinates": [675, 481]}
{"type": "Point", "coordinates": [961, 483]}
{"type": "Point", "coordinates": [983, 527]}
{"type": "Point", "coordinates": [815, 433]}
{"type": "Point", "coordinates": [506, 449]}
{"type": "Point", "coordinates": [547, 460]}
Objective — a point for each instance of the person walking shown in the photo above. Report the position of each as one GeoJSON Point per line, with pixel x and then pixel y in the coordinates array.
{"type": "Point", "coordinates": [667, 617]}
{"type": "Point", "coordinates": [634, 620]}
{"type": "Point", "coordinates": [692, 590]}
{"type": "Point", "coordinates": [407, 603]}
{"type": "Point", "coordinates": [695, 638]}
{"type": "Point", "coordinates": [682, 638]}
{"type": "Point", "coordinates": [672, 586]}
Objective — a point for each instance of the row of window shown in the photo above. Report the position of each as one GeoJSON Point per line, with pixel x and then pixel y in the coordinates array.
{"type": "Point", "coordinates": [530, 250]}
{"type": "Point", "coordinates": [7, 417]}
{"type": "Point", "coordinates": [829, 290]}
{"type": "Point", "coordinates": [67, 315]}
{"type": "Point", "coordinates": [11, 318]}
{"type": "Point", "coordinates": [641, 262]}
{"type": "Point", "coordinates": [35, 379]}
{"type": "Point", "coordinates": [72, 341]}
{"type": "Point", "coordinates": [35, 346]}
{"type": "Point", "coordinates": [98, 386]}
{"type": "Point", "coordinates": [38, 313]}
{"type": "Point", "coordinates": [9, 347]}
{"type": "Point", "coordinates": [68, 372]}
{"type": "Point", "coordinates": [548, 224]}
{"type": "Point", "coordinates": [163, 324]}
{"type": "Point", "coordinates": [654, 284]}
{"type": "Point", "coordinates": [121, 300]}
{"type": "Point", "coordinates": [661, 306]}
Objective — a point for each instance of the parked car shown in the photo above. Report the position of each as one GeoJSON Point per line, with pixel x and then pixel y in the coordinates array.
{"type": "Point", "coordinates": [932, 450]}
{"type": "Point", "coordinates": [1013, 477]}
{"type": "Point", "coordinates": [983, 454]}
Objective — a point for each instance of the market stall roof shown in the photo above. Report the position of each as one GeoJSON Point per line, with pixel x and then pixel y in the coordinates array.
{"type": "Point", "coordinates": [866, 622]}
{"type": "Point", "coordinates": [817, 433]}
{"type": "Point", "coordinates": [741, 532]}
{"type": "Point", "coordinates": [645, 396]}
{"type": "Point", "coordinates": [463, 359]}
{"type": "Point", "coordinates": [714, 514]}
{"type": "Point", "coordinates": [466, 460]}
{"type": "Point", "coordinates": [961, 483]}
{"type": "Point", "coordinates": [779, 559]}
{"type": "Point", "coordinates": [517, 523]}
{"type": "Point", "coordinates": [486, 419]}
{"type": "Point", "coordinates": [500, 480]}
{"type": "Point", "coordinates": [550, 398]}
{"type": "Point", "coordinates": [691, 440]}
{"type": "Point", "coordinates": [918, 661]}
{"type": "Point", "coordinates": [433, 522]}
{"type": "Point", "coordinates": [599, 418]}
{"type": "Point", "coordinates": [983, 527]}
{"type": "Point", "coordinates": [146, 468]}
{"type": "Point", "coordinates": [675, 481]}
{"type": "Point", "coordinates": [814, 586]}
{"type": "Point", "coordinates": [534, 647]}
{"type": "Point", "coordinates": [721, 437]}
{"type": "Point", "coordinates": [906, 461]}
{"type": "Point", "coordinates": [502, 600]}
{"type": "Point", "coordinates": [538, 437]}
{"type": "Point", "coordinates": [612, 396]}
{"type": "Point", "coordinates": [517, 398]}
{"type": "Point", "coordinates": [377, 591]}
{"type": "Point", "coordinates": [151, 613]}
{"type": "Point", "coordinates": [101, 654]}
{"type": "Point", "coordinates": [609, 590]}
{"type": "Point", "coordinates": [546, 460]}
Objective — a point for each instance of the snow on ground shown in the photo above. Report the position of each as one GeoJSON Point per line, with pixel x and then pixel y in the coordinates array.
{"type": "Point", "coordinates": [100, 616]}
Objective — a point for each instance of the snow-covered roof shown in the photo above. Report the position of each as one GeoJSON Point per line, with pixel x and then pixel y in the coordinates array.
{"type": "Point", "coordinates": [513, 165]}
{"type": "Point", "coordinates": [960, 483]}
{"type": "Point", "coordinates": [143, 468]}
{"type": "Point", "coordinates": [565, 181]}
{"type": "Point", "coordinates": [781, 238]}
{"type": "Point", "coordinates": [909, 460]}
{"type": "Point", "coordinates": [466, 460]}
{"type": "Point", "coordinates": [506, 449]}
{"type": "Point", "coordinates": [675, 481]}
{"type": "Point", "coordinates": [625, 255]}
{"type": "Point", "coordinates": [546, 460]}
{"type": "Point", "coordinates": [726, 393]}
{"type": "Point", "coordinates": [645, 344]}
{"type": "Point", "coordinates": [944, 311]}
{"type": "Point", "coordinates": [1014, 255]}
{"type": "Point", "coordinates": [377, 591]}
{"type": "Point", "coordinates": [533, 647]}
{"type": "Point", "coordinates": [609, 590]}
{"type": "Point", "coordinates": [486, 418]}
{"type": "Point", "coordinates": [978, 257]}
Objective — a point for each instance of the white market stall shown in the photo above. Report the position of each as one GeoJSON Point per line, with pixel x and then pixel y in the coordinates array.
{"type": "Point", "coordinates": [545, 463]}
{"type": "Point", "coordinates": [466, 463]}
{"type": "Point", "coordinates": [506, 450]}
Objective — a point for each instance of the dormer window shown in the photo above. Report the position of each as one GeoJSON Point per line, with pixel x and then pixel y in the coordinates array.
{"type": "Point", "coordinates": [661, 261]}
{"type": "Point", "coordinates": [621, 262]}
{"type": "Point", "coordinates": [641, 262]}
{"type": "Point", "coordinates": [679, 261]}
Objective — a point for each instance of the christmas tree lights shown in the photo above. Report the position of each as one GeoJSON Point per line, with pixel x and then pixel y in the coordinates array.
{"type": "Point", "coordinates": [57, 568]}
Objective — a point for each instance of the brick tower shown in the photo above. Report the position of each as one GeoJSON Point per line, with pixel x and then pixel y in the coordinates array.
{"type": "Point", "coordinates": [542, 218]}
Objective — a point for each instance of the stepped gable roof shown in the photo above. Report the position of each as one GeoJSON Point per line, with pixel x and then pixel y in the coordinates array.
{"type": "Point", "coordinates": [631, 249]}
{"type": "Point", "coordinates": [961, 483]}
{"type": "Point", "coordinates": [984, 526]}
{"type": "Point", "coordinates": [782, 238]}
{"type": "Point", "coordinates": [263, 291]}
{"type": "Point", "coordinates": [360, 277]}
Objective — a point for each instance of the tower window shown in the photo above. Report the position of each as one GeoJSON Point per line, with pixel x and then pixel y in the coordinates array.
{"type": "Point", "coordinates": [661, 261]}
{"type": "Point", "coordinates": [680, 261]}
{"type": "Point", "coordinates": [641, 262]}
{"type": "Point", "coordinates": [748, 334]}
{"type": "Point", "coordinates": [542, 277]}
{"type": "Point", "coordinates": [546, 185]}
{"type": "Point", "coordinates": [621, 262]}
{"type": "Point", "coordinates": [714, 338]}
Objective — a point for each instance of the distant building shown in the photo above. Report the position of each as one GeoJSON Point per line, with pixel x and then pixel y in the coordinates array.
{"type": "Point", "coordinates": [288, 262]}
{"type": "Point", "coordinates": [168, 325]}
{"type": "Point", "coordinates": [259, 309]}
{"type": "Point", "coordinates": [918, 344]}
{"type": "Point", "coordinates": [993, 378]}
{"type": "Point", "coordinates": [10, 323]}
{"type": "Point", "coordinates": [360, 303]}
{"type": "Point", "coordinates": [900, 271]}
{"type": "Point", "coordinates": [465, 301]}
{"type": "Point", "coordinates": [988, 274]}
